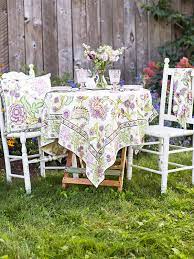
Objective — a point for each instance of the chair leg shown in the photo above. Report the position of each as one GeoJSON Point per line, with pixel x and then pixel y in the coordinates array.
{"type": "Point", "coordinates": [193, 163]}
{"type": "Point", "coordinates": [129, 162]}
{"type": "Point", "coordinates": [161, 146]}
{"type": "Point", "coordinates": [42, 162]}
{"type": "Point", "coordinates": [25, 164]}
{"type": "Point", "coordinates": [6, 159]}
{"type": "Point", "coordinates": [164, 165]}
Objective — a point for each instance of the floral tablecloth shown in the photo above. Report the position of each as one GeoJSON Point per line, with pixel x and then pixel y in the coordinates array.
{"type": "Point", "coordinates": [95, 125]}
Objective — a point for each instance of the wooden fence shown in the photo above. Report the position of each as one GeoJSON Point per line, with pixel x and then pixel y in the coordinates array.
{"type": "Point", "coordinates": [50, 33]}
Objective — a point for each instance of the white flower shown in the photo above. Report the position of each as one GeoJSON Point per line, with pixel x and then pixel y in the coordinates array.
{"type": "Point", "coordinates": [104, 56]}
{"type": "Point", "coordinates": [86, 47]}
{"type": "Point", "coordinates": [114, 58]}
{"type": "Point", "coordinates": [93, 53]}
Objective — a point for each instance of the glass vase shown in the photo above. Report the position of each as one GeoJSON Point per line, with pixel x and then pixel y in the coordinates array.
{"type": "Point", "coordinates": [101, 81]}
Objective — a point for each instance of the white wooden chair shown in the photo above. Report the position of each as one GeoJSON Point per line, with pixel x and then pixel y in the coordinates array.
{"type": "Point", "coordinates": [163, 134]}
{"type": "Point", "coordinates": [23, 136]}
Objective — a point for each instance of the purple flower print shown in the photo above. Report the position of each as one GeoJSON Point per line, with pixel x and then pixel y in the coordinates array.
{"type": "Point", "coordinates": [122, 111]}
{"type": "Point", "coordinates": [54, 108]}
{"type": "Point", "coordinates": [101, 128]}
{"type": "Point", "coordinates": [108, 158]}
{"type": "Point", "coordinates": [56, 99]}
{"type": "Point", "coordinates": [17, 113]}
{"type": "Point", "coordinates": [64, 135]}
{"type": "Point", "coordinates": [100, 172]}
{"type": "Point", "coordinates": [81, 151]}
{"type": "Point", "coordinates": [120, 146]}
{"type": "Point", "coordinates": [189, 96]}
{"type": "Point", "coordinates": [98, 109]}
{"type": "Point", "coordinates": [175, 85]}
{"type": "Point", "coordinates": [99, 145]}
{"type": "Point", "coordinates": [14, 93]}
{"type": "Point", "coordinates": [39, 86]}
{"type": "Point", "coordinates": [66, 114]}
{"type": "Point", "coordinates": [92, 132]}
{"type": "Point", "coordinates": [69, 146]}
{"type": "Point", "coordinates": [132, 106]}
{"type": "Point", "coordinates": [127, 103]}
{"type": "Point", "coordinates": [80, 148]}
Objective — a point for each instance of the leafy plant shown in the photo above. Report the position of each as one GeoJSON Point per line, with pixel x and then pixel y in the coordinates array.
{"type": "Point", "coordinates": [184, 24]}
{"type": "Point", "coordinates": [63, 80]}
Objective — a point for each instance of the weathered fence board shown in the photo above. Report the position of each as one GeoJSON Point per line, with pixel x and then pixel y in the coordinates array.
{"type": "Point", "coordinates": [79, 30]}
{"type": "Point", "coordinates": [33, 33]}
{"type": "Point", "coordinates": [118, 30]}
{"type": "Point", "coordinates": [64, 22]}
{"type": "Point", "coordinates": [16, 34]}
{"type": "Point", "coordinates": [93, 23]}
{"type": "Point", "coordinates": [3, 35]}
{"type": "Point", "coordinates": [129, 39]}
{"type": "Point", "coordinates": [106, 22]}
{"type": "Point", "coordinates": [141, 24]}
{"type": "Point", "coordinates": [50, 33]}
{"type": "Point", "coordinates": [50, 43]}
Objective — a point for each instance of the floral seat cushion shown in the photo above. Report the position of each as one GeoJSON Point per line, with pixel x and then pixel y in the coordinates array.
{"type": "Point", "coordinates": [23, 100]}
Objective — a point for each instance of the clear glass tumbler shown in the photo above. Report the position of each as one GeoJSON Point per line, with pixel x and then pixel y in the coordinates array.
{"type": "Point", "coordinates": [114, 75]}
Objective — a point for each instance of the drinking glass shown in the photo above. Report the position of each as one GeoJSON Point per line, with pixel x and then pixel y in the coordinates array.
{"type": "Point", "coordinates": [81, 75]}
{"type": "Point", "coordinates": [114, 75]}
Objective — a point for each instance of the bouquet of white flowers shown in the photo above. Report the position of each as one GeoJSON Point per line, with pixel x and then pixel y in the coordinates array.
{"type": "Point", "coordinates": [103, 56]}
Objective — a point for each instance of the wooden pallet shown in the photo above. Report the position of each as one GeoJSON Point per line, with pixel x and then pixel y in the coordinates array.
{"type": "Point", "coordinates": [116, 170]}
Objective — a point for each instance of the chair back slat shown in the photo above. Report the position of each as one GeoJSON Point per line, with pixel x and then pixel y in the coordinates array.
{"type": "Point", "coordinates": [170, 95]}
{"type": "Point", "coordinates": [166, 102]}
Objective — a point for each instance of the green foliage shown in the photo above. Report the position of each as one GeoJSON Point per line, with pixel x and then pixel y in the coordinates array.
{"type": "Point", "coordinates": [184, 24]}
{"type": "Point", "coordinates": [63, 80]}
{"type": "Point", "coordinates": [85, 222]}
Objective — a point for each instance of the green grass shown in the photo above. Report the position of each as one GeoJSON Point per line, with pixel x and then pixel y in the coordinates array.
{"type": "Point", "coordinates": [84, 222]}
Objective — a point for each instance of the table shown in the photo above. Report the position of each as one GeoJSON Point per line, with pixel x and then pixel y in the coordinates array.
{"type": "Point", "coordinates": [95, 125]}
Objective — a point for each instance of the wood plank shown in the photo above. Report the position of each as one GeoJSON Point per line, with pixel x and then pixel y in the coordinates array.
{"type": "Point", "coordinates": [3, 36]}
{"type": "Point", "coordinates": [129, 40]}
{"type": "Point", "coordinates": [85, 181]}
{"type": "Point", "coordinates": [65, 51]}
{"type": "Point", "coordinates": [93, 25]}
{"type": "Point", "coordinates": [106, 22]}
{"type": "Point", "coordinates": [3, 5]}
{"type": "Point", "coordinates": [50, 46]}
{"type": "Point", "coordinates": [118, 32]}
{"type": "Point", "coordinates": [114, 171]}
{"type": "Point", "coordinates": [165, 34]}
{"type": "Point", "coordinates": [79, 31]}
{"type": "Point", "coordinates": [175, 32]}
{"type": "Point", "coordinates": [93, 22]}
{"type": "Point", "coordinates": [33, 33]}
{"type": "Point", "coordinates": [187, 7]}
{"type": "Point", "coordinates": [16, 34]}
{"type": "Point", "coordinates": [154, 38]}
{"type": "Point", "coordinates": [141, 27]}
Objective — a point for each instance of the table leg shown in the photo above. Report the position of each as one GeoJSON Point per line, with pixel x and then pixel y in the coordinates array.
{"type": "Point", "coordinates": [122, 168]}
{"type": "Point", "coordinates": [74, 164]}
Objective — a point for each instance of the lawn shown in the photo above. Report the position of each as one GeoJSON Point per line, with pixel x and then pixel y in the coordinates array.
{"type": "Point", "coordinates": [83, 222]}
